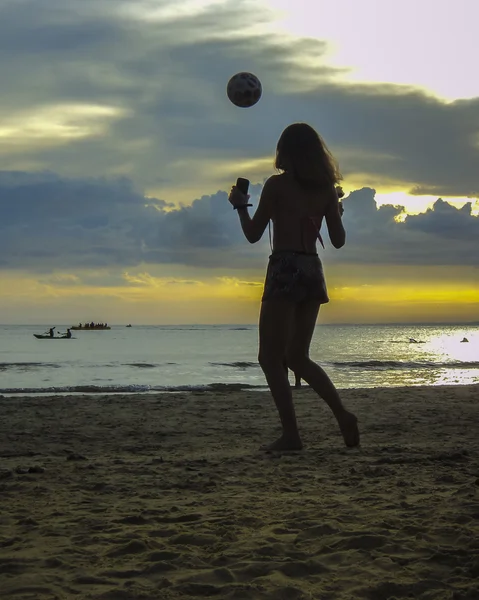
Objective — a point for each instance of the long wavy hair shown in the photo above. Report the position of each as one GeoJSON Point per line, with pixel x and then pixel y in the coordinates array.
{"type": "Point", "coordinates": [302, 153]}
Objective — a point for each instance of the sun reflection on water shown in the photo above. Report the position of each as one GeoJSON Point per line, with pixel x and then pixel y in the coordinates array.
{"type": "Point", "coordinates": [456, 347]}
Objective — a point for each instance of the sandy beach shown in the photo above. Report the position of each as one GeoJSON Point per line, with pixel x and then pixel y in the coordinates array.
{"type": "Point", "coordinates": [167, 496]}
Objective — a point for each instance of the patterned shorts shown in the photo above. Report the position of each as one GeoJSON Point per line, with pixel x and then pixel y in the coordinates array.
{"type": "Point", "coordinates": [295, 276]}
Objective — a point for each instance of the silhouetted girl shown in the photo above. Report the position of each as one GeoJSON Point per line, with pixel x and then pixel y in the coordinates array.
{"type": "Point", "coordinates": [296, 201]}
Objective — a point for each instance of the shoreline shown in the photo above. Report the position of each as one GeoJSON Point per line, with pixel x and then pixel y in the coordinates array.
{"type": "Point", "coordinates": [227, 388]}
{"type": "Point", "coordinates": [136, 496]}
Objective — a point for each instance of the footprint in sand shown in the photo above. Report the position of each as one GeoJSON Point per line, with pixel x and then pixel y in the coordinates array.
{"type": "Point", "coordinates": [162, 555]}
{"type": "Point", "coordinates": [187, 539]}
{"type": "Point", "coordinates": [361, 542]}
{"type": "Point", "coordinates": [188, 518]}
{"type": "Point", "coordinates": [92, 580]}
{"type": "Point", "coordinates": [133, 547]}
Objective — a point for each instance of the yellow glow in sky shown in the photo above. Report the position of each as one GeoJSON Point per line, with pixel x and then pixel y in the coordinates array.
{"type": "Point", "coordinates": [418, 204]}
{"type": "Point", "coordinates": [426, 43]}
{"type": "Point", "coordinates": [146, 298]}
{"type": "Point", "coordinates": [55, 123]}
{"type": "Point", "coordinates": [222, 173]}
{"type": "Point", "coordinates": [152, 10]}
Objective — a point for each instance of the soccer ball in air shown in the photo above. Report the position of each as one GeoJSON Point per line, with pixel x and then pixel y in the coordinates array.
{"type": "Point", "coordinates": [244, 90]}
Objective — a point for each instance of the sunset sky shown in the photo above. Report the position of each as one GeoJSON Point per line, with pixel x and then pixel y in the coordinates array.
{"type": "Point", "coordinates": [117, 146]}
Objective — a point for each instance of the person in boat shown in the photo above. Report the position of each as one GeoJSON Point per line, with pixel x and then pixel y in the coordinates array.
{"type": "Point", "coordinates": [51, 331]}
{"type": "Point", "coordinates": [296, 201]}
{"type": "Point", "coordinates": [69, 333]}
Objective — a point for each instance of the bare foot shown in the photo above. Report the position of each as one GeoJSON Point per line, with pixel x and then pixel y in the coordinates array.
{"type": "Point", "coordinates": [284, 444]}
{"type": "Point", "coordinates": [348, 424]}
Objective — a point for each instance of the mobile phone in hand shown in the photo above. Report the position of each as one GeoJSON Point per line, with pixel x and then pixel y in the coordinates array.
{"type": "Point", "coordinates": [242, 184]}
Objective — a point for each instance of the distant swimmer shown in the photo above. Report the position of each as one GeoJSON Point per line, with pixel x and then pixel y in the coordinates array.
{"type": "Point", "coordinates": [464, 340]}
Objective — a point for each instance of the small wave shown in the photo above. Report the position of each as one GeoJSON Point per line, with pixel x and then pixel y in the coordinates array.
{"type": "Point", "coordinates": [397, 364]}
{"type": "Point", "coordinates": [236, 365]}
{"type": "Point", "coordinates": [140, 365]}
{"type": "Point", "coordinates": [130, 389]}
{"type": "Point", "coordinates": [184, 328]}
{"type": "Point", "coordinates": [26, 366]}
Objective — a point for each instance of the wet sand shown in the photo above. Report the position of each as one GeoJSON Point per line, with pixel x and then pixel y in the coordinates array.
{"type": "Point", "coordinates": [166, 496]}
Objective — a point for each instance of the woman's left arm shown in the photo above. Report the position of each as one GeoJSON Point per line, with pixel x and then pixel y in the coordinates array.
{"type": "Point", "coordinates": [253, 227]}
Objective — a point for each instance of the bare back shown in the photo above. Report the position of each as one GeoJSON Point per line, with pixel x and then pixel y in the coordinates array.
{"type": "Point", "coordinates": [297, 215]}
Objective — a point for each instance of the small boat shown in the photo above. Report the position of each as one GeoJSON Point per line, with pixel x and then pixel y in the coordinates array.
{"type": "Point", "coordinates": [94, 328]}
{"type": "Point", "coordinates": [128, 325]}
{"type": "Point", "coordinates": [46, 336]}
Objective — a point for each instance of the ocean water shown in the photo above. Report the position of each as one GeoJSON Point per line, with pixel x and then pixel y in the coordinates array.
{"type": "Point", "coordinates": [160, 358]}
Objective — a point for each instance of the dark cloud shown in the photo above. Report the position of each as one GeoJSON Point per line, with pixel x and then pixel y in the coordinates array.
{"type": "Point", "coordinates": [449, 223]}
{"type": "Point", "coordinates": [443, 235]}
{"type": "Point", "coordinates": [98, 223]}
{"type": "Point", "coordinates": [73, 224]}
{"type": "Point", "coordinates": [168, 76]}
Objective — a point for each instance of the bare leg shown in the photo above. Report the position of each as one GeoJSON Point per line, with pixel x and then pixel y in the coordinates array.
{"type": "Point", "coordinates": [298, 360]}
{"type": "Point", "coordinates": [274, 328]}
{"type": "Point", "coordinates": [297, 381]}
{"type": "Point", "coordinates": [315, 376]}
{"type": "Point", "coordinates": [285, 365]}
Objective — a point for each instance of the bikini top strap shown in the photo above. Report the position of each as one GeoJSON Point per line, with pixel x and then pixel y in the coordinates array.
{"type": "Point", "coordinates": [319, 236]}
{"type": "Point", "coordinates": [314, 223]}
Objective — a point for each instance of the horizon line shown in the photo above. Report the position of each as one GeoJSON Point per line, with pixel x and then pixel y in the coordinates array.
{"type": "Point", "coordinates": [341, 324]}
